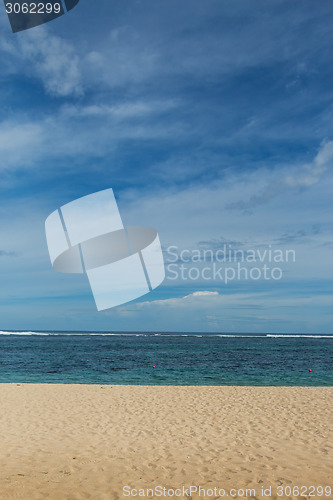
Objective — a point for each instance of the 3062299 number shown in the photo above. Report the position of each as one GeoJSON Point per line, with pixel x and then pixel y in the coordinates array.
{"type": "Point", "coordinates": [33, 8]}
{"type": "Point", "coordinates": [309, 491]}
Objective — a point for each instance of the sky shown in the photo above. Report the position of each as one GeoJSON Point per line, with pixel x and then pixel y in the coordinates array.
{"type": "Point", "coordinates": [211, 122]}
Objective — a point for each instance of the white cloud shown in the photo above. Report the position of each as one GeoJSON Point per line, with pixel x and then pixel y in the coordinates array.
{"type": "Point", "coordinates": [40, 54]}
{"type": "Point", "coordinates": [312, 173]}
{"type": "Point", "coordinates": [54, 60]}
{"type": "Point", "coordinates": [197, 297]}
{"type": "Point", "coordinates": [127, 110]}
{"type": "Point", "coordinates": [255, 311]}
{"type": "Point", "coordinates": [81, 132]}
{"type": "Point", "coordinates": [287, 178]}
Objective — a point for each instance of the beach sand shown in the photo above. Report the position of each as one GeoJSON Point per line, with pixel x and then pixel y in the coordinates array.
{"type": "Point", "coordinates": [67, 442]}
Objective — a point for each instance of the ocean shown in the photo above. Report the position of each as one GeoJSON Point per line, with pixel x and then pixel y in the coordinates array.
{"type": "Point", "coordinates": [166, 359]}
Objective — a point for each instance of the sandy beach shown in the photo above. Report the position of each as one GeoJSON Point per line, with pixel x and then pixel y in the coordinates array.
{"type": "Point", "coordinates": [72, 442]}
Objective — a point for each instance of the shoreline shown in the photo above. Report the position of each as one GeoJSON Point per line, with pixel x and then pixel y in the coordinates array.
{"type": "Point", "coordinates": [92, 441]}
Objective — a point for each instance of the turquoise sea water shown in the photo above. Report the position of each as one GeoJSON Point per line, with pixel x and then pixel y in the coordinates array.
{"type": "Point", "coordinates": [179, 358]}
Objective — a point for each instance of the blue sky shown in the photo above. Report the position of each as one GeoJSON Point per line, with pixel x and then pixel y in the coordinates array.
{"type": "Point", "coordinates": [212, 122]}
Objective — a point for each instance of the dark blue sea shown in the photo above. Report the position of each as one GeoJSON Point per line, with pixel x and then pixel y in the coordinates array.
{"type": "Point", "coordinates": [179, 359]}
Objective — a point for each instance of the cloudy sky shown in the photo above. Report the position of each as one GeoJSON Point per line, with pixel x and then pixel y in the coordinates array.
{"type": "Point", "coordinates": [211, 121]}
